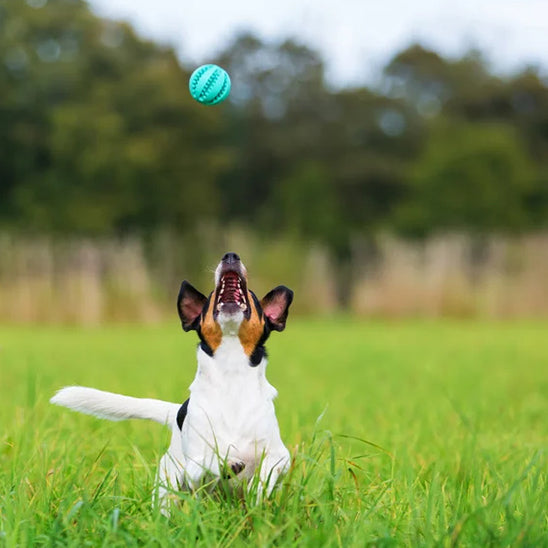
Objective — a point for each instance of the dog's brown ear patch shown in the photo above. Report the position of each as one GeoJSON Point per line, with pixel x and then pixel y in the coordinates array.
{"type": "Point", "coordinates": [275, 305]}
{"type": "Point", "coordinates": [210, 331]}
{"type": "Point", "coordinates": [190, 305]}
{"type": "Point", "coordinates": [252, 329]}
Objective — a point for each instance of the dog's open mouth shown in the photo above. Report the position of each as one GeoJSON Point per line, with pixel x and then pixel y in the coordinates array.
{"type": "Point", "coordinates": [231, 293]}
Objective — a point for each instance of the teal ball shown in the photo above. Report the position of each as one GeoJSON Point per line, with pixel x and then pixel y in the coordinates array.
{"type": "Point", "coordinates": [209, 84]}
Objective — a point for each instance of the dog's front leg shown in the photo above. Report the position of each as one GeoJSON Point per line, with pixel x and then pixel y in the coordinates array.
{"type": "Point", "coordinates": [272, 467]}
{"type": "Point", "coordinates": [170, 479]}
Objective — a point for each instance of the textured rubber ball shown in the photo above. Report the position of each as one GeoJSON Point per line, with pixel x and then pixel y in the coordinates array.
{"type": "Point", "coordinates": [209, 84]}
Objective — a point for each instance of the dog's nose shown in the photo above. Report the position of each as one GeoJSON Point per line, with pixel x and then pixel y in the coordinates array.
{"type": "Point", "coordinates": [231, 258]}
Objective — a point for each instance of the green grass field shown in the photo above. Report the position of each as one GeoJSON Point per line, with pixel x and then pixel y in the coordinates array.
{"type": "Point", "coordinates": [403, 434]}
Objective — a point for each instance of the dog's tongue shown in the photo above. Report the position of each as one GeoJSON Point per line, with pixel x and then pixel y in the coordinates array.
{"type": "Point", "coordinates": [231, 292]}
{"type": "Point", "coordinates": [231, 288]}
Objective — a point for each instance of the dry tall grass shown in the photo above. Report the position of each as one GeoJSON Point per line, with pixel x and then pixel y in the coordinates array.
{"type": "Point", "coordinates": [455, 275]}
{"type": "Point", "coordinates": [88, 281]}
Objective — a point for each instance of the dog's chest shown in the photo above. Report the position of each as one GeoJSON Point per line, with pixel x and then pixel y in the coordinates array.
{"type": "Point", "coordinates": [231, 407]}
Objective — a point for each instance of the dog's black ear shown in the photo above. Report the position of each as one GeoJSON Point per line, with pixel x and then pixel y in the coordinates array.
{"type": "Point", "coordinates": [190, 304]}
{"type": "Point", "coordinates": [275, 305]}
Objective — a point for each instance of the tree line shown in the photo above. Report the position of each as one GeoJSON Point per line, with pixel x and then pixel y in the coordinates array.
{"type": "Point", "coordinates": [99, 135]}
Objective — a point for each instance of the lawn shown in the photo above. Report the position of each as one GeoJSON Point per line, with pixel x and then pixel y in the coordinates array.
{"type": "Point", "coordinates": [403, 434]}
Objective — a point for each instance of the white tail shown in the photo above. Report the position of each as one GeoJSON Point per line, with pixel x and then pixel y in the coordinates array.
{"type": "Point", "coordinates": [115, 407]}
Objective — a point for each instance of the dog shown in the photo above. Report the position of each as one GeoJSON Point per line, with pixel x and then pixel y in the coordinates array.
{"type": "Point", "coordinates": [227, 429]}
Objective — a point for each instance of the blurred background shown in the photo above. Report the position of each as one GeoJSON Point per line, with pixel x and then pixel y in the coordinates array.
{"type": "Point", "coordinates": [380, 160]}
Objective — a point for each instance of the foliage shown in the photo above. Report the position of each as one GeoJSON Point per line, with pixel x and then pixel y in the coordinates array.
{"type": "Point", "coordinates": [98, 134]}
{"type": "Point", "coordinates": [96, 131]}
{"type": "Point", "coordinates": [431, 434]}
{"type": "Point", "coordinates": [479, 175]}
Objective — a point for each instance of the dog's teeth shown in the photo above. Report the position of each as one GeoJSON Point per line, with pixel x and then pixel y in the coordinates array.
{"type": "Point", "coordinates": [243, 306]}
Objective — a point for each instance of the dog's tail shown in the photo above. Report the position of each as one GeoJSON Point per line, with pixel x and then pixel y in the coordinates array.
{"type": "Point", "coordinates": [115, 407]}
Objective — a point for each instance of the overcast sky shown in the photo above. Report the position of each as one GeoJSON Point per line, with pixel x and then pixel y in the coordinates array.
{"type": "Point", "coordinates": [356, 37]}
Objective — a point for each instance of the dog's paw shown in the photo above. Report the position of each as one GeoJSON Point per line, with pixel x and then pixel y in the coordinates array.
{"type": "Point", "coordinates": [233, 469]}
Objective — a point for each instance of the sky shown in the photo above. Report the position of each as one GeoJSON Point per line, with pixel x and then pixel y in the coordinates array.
{"type": "Point", "coordinates": [355, 37]}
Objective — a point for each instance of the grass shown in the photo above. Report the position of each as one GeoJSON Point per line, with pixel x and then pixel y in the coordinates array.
{"type": "Point", "coordinates": [403, 434]}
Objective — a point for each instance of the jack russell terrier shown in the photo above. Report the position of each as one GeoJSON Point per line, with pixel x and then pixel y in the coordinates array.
{"type": "Point", "coordinates": [227, 429]}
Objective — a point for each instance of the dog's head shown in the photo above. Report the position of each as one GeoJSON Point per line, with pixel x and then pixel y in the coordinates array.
{"type": "Point", "coordinates": [232, 310]}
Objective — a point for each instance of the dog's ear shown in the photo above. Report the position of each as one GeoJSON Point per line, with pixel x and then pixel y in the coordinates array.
{"type": "Point", "coordinates": [190, 304]}
{"type": "Point", "coordinates": [275, 305]}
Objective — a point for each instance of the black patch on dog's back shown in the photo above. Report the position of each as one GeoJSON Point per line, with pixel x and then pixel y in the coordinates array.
{"type": "Point", "coordinates": [181, 414]}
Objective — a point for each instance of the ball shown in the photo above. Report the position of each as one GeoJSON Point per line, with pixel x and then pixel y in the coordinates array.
{"type": "Point", "coordinates": [209, 84]}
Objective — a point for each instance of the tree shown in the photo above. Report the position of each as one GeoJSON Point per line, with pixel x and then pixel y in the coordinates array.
{"type": "Point", "coordinates": [98, 134]}
{"type": "Point", "coordinates": [469, 177]}
{"type": "Point", "coordinates": [97, 128]}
